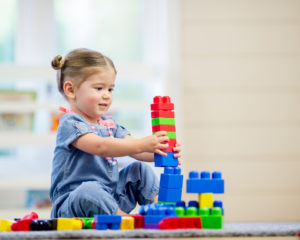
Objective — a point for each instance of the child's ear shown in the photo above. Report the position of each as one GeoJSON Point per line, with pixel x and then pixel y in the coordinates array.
{"type": "Point", "coordinates": [69, 89]}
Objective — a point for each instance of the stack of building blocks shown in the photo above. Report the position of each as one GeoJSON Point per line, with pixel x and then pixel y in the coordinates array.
{"type": "Point", "coordinates": [162, 113]}
{"type": "Point", "coordinates": [171, 180]}
{"type": "Point", "coordinates": [206, 186]}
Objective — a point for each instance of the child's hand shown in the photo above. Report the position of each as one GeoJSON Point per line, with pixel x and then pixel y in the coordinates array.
{"type": "Point", "coordinates": [154, 143]}
{"type": "Point", "coordinates": [177, 149]}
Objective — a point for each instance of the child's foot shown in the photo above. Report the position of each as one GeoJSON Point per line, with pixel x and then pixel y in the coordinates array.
{"type": "Point", "coordinates": [120, 212]}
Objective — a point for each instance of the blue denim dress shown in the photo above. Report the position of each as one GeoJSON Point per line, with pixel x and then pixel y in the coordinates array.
{"type": "Point", "coordinates": [83, 184]}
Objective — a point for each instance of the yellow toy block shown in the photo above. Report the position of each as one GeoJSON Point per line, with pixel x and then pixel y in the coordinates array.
{"type": "Point", "coordinates": [68, 224]}
{"type": "Point", "coordinates": [127, 223]}
{"type": "Point", "coordinates": [206, 200]}
{"type": "Point", "coordinates": [5, 225]}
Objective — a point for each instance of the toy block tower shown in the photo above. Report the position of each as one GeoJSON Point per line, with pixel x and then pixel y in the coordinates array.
{"type": "Point", "coordinates": [162, 113]}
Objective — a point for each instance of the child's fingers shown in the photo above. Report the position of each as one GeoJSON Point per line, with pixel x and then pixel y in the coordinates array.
{"type": "Point", "coordinates": [161, 133]}
{"type": "Point", "coordinates": [161, 152]}
{"type": "Point", "coordinates": [164, 139]}
{"type": "Point", "coordinates": [163, 146]}
{"type": "Point", "coordinates": [177, 155]}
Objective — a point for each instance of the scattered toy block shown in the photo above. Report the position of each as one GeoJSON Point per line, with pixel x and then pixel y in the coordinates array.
{"type": "Point", "coordinates": [87, 222]}
{"type": "Point", "coordinates": [157, 212]}
{"type": "Point", "coordinates": [127, 223]}
{"type": "Point", "coordinates": [104, 222]}
{"type": "Point", "coordinates": [24, 223]}
{"type": "Point", "coordinates": [139, 221]}
{"type": "Point", "coordinates": [64, 224]}
{"type": "Point", "coordinates": [5, 225]}
{"type": "Point", "coordinates": [43, 225]}
{"type": "Point", "coordinates": [165, 161]}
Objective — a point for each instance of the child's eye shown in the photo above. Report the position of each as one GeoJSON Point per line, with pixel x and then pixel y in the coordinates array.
{"type": "Point", "coordinates": [111, 89]}
{"type": "Point", "coordinates": [99, 88]}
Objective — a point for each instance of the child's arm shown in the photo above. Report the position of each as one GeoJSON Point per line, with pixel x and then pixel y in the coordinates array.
{"type": "Point", "coordinates": [116, 147]}
{"type": "Point", "coordinates": [149, 157]}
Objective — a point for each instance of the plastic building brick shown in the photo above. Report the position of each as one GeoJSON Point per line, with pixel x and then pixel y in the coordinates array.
{"type": "Point", "coordinates": [165, 161]}
{"type": "Point", "coordinates": [180, 204]}
{"type": "Point", "coordinates": [180, 223]}
{"type": "Point", "coordinates": [169, 194]}
{"type": "Point", "coordinates": [211, 219]}
{"type": "Point", "coordinates": [5, 225]}
{"type": "Point", "coordinates": [205, 184]}
{"type": "Point", "coordinates": [127, 223]}
{"type": "Point", "coordinates": [151, 226]}
{"type": "Point", "coordinates": [191, 211]}
{"type": "Point", "coordinates": [162, 103]}
{"type": "Point", "coordinates": [171, 135]}
{"type": "Point", "coordinates": [160, 127]}
{"type": "Point", "coordinates": [87, 222]}
{"type": "Point", "coordinates": [172, 144]}
{"type": "Point", "coordinates": [104, 222]}
{"type": "Point", "coordinates": [69, 224]}
{"type": "Point", "coordinates": [180, 211]}
{"type": "Point", "coordinates": [163, 121]}
{"type": "Point", "coordinates": [43, 225]}
{"type": "Point", "coordinates": [157, 212]}
{"type": "Point", "coordinates": [162, 113]}
{"type": "Point", "coordinates": [220, 205]}
{"type": "Point", "coordinates": [139, 221]}
{"type": "Point", "coordinates": [193, 204]}
{"type": "Point", "coordinates": [171, 178]}
{"type": "Point", "coordinates": [24, 223]}
{"type": "Point", "coordinates": [205, 200]}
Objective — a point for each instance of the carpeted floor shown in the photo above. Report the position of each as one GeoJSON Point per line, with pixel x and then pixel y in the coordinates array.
{"type": "Point", "coordinates": [230, 230]}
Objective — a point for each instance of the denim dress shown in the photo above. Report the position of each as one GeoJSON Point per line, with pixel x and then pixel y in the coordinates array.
{"type": "Point", "coordinates": [83, 184]}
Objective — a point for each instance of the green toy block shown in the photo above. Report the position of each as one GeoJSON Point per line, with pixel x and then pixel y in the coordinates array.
{"type": "Point", "coordinates": [180, 211]}
{"type": "Point", "coordinates": [87, 222]}
{"type": "Point", "coordinates": [167, 203]}
{"type": "Point", "coordinates": [171, 135]}
{"type": "Point", "coordinates": [191, 212]}
{"type": "Point", "coordinates": [213, 220]}
{"type": "Point", "coordinates": [163, 121]}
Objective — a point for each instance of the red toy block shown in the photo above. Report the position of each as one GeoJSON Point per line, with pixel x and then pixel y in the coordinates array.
{"type": "Point", "coordinates": [139, 221]}
{"type": "Point", "coordinates": [172, 144]}
{"type": "Point", "coordinates": [162, 103]}
{"type": "Point", "coordinates": [180, 223]}
{"type": "Point", "coordinates": [165, 114]}
{"type": "Point", "coordinates": [24, 223]}
{"type": "Point", "coordinates": [160, 127]}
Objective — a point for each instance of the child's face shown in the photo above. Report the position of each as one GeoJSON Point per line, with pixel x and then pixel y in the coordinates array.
{"type": "Point", "coordinates": [94, 96]}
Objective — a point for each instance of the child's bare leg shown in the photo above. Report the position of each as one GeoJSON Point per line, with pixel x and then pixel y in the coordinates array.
{"type": "Point", "coordinates": [155, 199]}
{"type": "Point", "coordinates": [120, 212]}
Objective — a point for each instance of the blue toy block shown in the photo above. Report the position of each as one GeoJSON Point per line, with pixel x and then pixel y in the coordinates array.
{"type": "Point", "coordinates": [104, 222]}
{"type": "Point", "coordinates": [193, 204]}
{"type": "Point", "coordinates": [205, 184]}
{"type": "Point", "coordinates": [157, 212]}
{"type": "Point", "coordinates": [220, 205]}
{"type": "Point", "coordinates": [171, 178]}
{"type": "Point", "coordinates": [180, 204]}
{"type": "Point", "coordinates": [169, 194]}
{"type": "Point", "coordinates": [165, 161]}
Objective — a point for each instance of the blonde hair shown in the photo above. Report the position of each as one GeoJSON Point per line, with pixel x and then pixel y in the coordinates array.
{"type": "Point", "coordinates": [80, 64]}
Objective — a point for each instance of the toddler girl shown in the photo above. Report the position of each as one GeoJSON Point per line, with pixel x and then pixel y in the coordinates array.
{"type": "Point", "coordinates": [85, 179]}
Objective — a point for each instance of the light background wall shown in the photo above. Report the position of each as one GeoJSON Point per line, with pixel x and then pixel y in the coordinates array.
{"type": "Point", "coordinates": [240, 82]}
